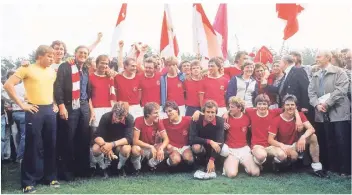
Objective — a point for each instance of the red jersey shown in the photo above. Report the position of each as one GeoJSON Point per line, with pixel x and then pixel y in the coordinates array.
{"type": "Point", "coordinates": [285, 130]}
{"type": "Point", "coordinates": [127, 89]}
{"type": "Point", "coordinates": [101, 90]}
{"type": "Point", "coordinates": [237, 134]}
{"type": "Point", "coordinates": [232, 71]}
{"type": "Point", "coordinates": [148, 133]}
{"type": "Point", "coordinates": [175, 91]}
{"type": "Point", "coordinates": [260, 125]}
{"type": "Point", "coordinates": [150, 88]}
{"type": "Point", "coordinates": [192, 88]}
{"type": "Point", "coordinates": [178, 133]}
{"type": "Point", "coordinates": [215, 89]}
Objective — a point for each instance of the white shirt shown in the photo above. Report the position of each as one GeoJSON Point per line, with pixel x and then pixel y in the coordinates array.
{"type": "Point", "coordinates": [288, 69]}
{"type": "Point", "coordinates": [20, 92]}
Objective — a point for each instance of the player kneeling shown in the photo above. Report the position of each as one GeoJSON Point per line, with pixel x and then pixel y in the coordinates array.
{"type": "Point", "coordinates": [207, 137]}
{"type": "Point", "coordinates": [113, 139]}
{"type": "Point", "coordinates": [289, 140]}
{"type": "Point", "coordinates": [237, 127]}
{"type": "Point", "coordinates": [177, 128]}
{"type": "Point", "coordinates": [148, 131]}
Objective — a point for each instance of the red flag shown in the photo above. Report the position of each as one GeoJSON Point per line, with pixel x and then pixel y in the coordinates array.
{"type": "Point", "coordinates": [264, 55]}
{"type": "Point", "coordinates": [118, 30]}
{"type": "Point", "coordinates": [168, 41]}
{"type": "Point", "coordinates": [289, 13]}
{"type": "Point", "coordinates": [220, 26]}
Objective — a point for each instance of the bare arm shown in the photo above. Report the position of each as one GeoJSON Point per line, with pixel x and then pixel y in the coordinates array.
{"type": "Point", "coordinates": [96, 42]}
{"type": "Point", "coordinates": [9, 86]}
{"type": "Point", "coordinates": [138, 142]}
{"type": "Point", "coordinates": [165, 140]}
{"type": "Point", "coordinates": [120, 56]}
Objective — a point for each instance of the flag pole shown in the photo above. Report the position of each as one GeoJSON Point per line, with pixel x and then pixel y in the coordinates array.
{"type": "Point", "coordinates": [282, 47]}
{"type": "Point", "coordinates": [238, 44]}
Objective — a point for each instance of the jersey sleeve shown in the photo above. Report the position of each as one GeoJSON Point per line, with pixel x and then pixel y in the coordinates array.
{"type": "Point", "coordinates": [138, 124]}
{"type": "Point", "coordinates": [22, 72]}
{"type": "Point", "coordinates": [276, 111]}
{"type": "Point", "coordinates": [303, 117]}
{"type": "Point", "coordinates": [273, 128]}
{"type": "Point", "coordinates": [161, 127]}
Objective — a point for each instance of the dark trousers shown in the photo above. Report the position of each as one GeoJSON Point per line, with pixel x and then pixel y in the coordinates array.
{"type": "Point", "coordinates": [76, 146]}
{"type": "Point", "coordinates": [39, 152]}
{"type": "Point", "coordinates": [190, 110]}
{"type": "Point", "coordinates": [335, 145]}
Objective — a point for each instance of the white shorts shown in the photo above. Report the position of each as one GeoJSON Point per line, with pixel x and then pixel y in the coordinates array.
{"type": "Point", "coordinates": [135, 111]}
{"type": "Point", "coordinates": [241, 153]}
{"type": "Point", "coordinates": [221, 111]}
{"type": "Point", "coordinates": [99, 112]}
{"type": "Point", "coordinates": [181, 150]}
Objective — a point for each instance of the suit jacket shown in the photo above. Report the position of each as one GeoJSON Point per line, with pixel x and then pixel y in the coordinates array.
{"type": "Point", "coordinates": [296, 83]}
{"type": "Point", "coordinates": [63, 85]}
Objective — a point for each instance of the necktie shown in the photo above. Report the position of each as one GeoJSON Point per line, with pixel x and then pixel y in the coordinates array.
{"type": "Point", "coordinates": [282, 83]}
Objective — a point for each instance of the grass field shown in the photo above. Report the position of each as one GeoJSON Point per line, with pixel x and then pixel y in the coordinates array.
{"type": "Point", "coordinates": [183, 183]}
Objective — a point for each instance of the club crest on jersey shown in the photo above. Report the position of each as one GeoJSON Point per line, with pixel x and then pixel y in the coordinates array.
{"type": "Point", "coordinates": [134, 88]}
{"type": "Point", "coordinates": [179, 85]}
{"type": "Point", "coordinates": [222, 87]}
{"type": "Point", "coordinates": [244, 129]}
{"type": "Point", "coordinates": [185, 132]}
{"type": "Point", "coordinates": [158, 82]}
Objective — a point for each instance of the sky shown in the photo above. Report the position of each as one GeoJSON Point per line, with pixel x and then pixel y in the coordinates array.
{"type": "Point", "coordinates": [26, 26]}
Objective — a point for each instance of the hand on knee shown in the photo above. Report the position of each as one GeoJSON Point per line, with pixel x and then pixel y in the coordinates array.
{"type": "Point", "coordinates": [197, 148]}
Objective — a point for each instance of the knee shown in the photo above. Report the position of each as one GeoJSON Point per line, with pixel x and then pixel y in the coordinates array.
{"type": "Point", "coordinates": [293, 155]}
{"type": "Point", "coordinates": [136, 150]}
{"type": "Point", "coordinates": [197, 148]}
{"type": "Point", "coordinates": [126, 150]}
{"type": "Point", "coordinates": [188, 157]}
{"type": "Point", "coordinates": [260, 156]}
{"type": "Point", "coordinates": [96, 150]}
{"type": "Point", "coordinates": [231, 174]}
{"type": "Point", "coordinates": [175, 158]}
{"type": "Point", "coordinates": [313, 139]}
{"type": "Point", "coordinates": [281, 155]}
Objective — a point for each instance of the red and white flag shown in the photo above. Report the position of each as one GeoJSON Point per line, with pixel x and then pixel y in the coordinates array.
{"type": "Point", "coordinates": [220, 27]}
{"type": "Point", "coordinates": [168, 41]}
{"type": "Point", "coordinates": [205, 41]}
{"type": "Point", "coordinates": [118, 30]}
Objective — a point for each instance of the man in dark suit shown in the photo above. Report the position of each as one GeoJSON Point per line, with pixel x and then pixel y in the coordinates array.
{"type": "Point", "coordinates": [295, 83]}
{"type": "Point", "coordinates": [72, 94]}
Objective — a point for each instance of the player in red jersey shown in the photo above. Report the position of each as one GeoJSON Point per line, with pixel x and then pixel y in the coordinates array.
{"type": "Point", "coordinates": [261, 118]}
{"type": "Point", "coordinates": [284, 137]}
{"type": "Point", "coordinates": [214, 86]}
{"type": "Point", "coordinates": [147, 132]}
{"type": "Point", "coordinates": [127, 85]}
{"type": "Point", "coordinates": [177, 128]}
{"type": "Point", "coordinates": [237, 125]}
{"type": "Point", "coordinates": [192, 87]}
{"type": "Point", "coordinates": [103, 93]}
{"type": "Point", "coordinates": [150, 82]}
{"type": "Point", "coordinates": [236, 69]}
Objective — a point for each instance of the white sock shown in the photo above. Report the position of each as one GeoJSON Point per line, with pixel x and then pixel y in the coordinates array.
{"type": "Point", "coordinates": [122, 161]}
{"type": "Point", "coordinates": [317, 166]}
{"type": "Point", "coordinates": [168, 162]}
{"type": "Point", "coordinates": [277, 160]}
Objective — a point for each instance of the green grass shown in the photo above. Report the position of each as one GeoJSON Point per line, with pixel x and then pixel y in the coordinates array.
{"type": "Point", "coordinates": [183, 183]}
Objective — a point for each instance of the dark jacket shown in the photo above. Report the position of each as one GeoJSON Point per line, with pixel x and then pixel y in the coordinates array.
{"type": "Point", "coordinates": [63, 85]}
{"type": "Point", "coordinates": [296, 83]}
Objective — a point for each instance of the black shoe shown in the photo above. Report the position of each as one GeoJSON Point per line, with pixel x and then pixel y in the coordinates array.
{"type": "Point", "coordinates": [320, 173]}
{"type": "Point", "coordinates": [136, 173]}
{"type": "Point", "coordinates": [105, 174]}
{"type": "Point", "coordinates": [29, 190]}
{"type": "Point", "coordinates": [152, 170]}
{"type": "Point", "coordinates": [92, 172]}
{"type": "Point", "coordinates": [345, 175]}
{"type": "Point", "coordinates": [275, 167]}
{"type": "Point", "coordinates": [122, 172]}
{"type": "Point", "coordinates": [68, 176]}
